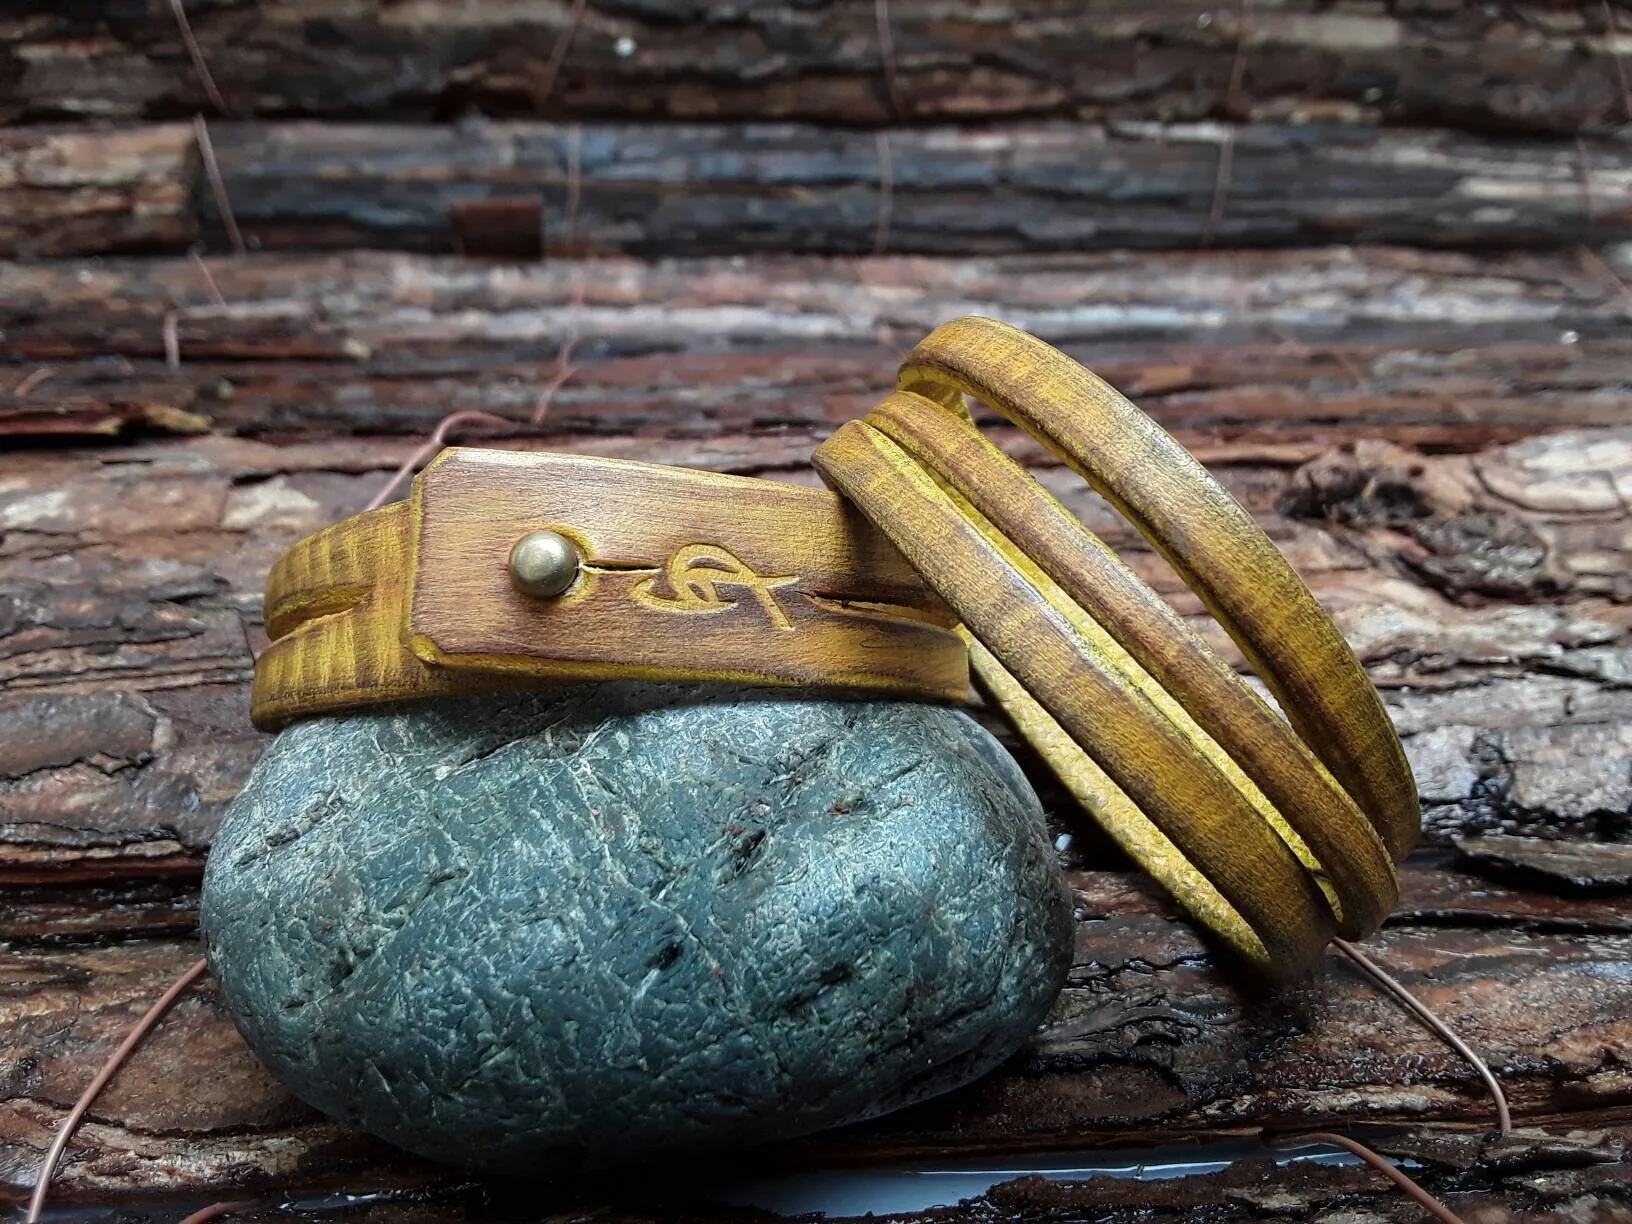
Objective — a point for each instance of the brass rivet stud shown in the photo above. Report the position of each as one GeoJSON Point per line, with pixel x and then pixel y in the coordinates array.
{"type": "Point", "coordinates": [544, 564]}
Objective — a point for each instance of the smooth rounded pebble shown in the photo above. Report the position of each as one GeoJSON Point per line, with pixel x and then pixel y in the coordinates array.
{"type": "Point", "coordinates": [572, 928]}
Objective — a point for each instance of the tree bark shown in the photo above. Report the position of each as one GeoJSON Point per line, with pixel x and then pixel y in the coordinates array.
{"type": "Point", "coordinates": [1266, 356]}
{"type": "Point", "coordinates": [77, 189]}
{"type": "Point", "coordinates": [1152, 1042]}
{"type": "Point", "coordinates": [1488, 592]}
{"type": "Point", "coordinates": [508, 188]}
{"type": "Point", "coordinates": [1531, 66]}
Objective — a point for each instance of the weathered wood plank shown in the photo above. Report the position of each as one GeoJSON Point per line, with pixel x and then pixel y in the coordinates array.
{"type": "Point", "coordinates": [723, 188]}
{"type": "Point", "coordinates": [1276, 401]}
{"type": "Point", "coordinates": [1485, 584]}
{"type": "Point", "coordinates": [1272, 354]}
{"type": "Point", "coordinates": [1593, 1189]}
{"type": "Point", "coordinates": [1526, 66]}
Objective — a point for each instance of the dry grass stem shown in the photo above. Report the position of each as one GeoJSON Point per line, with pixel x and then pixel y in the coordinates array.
{"type": "Point", "coordinates": [196, 54]}
{"type": "Point", "coordinates": [558, 56]}
{"type": "Point", "coordinates": [886, 194]}
{"type": "Point", "coordinates": [886, 52]}
{"type": "Point", "coordinates": [218, 186]}
{"type": "Point", "coordinates": [1383, 1166]}
{"type": "Point", "coordinates": [438, 440]}
{"type": "Point", "coordinates": [65, 1132]}
{"type": "Point", "coordinates": [1380, 976]}
{"type": "Point", "coordinates": [210, 286]}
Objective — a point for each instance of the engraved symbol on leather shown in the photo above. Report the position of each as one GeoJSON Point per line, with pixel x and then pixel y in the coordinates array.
{"type": "Point", "coordinates": [696, 572]}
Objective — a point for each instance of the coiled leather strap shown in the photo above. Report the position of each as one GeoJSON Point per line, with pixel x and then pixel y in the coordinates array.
{"type": "Point", "coordinates": [1274, 833]}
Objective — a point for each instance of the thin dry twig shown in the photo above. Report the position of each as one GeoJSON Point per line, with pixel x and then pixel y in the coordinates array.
{"type": "Point", "coordinates": [886, 51]}
{"type": "Point", "coordinates": [558, 56]}
{"type": "Point", "coordinates": [1583, 161]}
{"type": "Point", "coordinates": [171, 327]}
{"type": "Point", "coordinates": [547, 395]}
{"type": "Point", "coordinates": [32, 380]}
{"type": "Point", "coordinates": [438, 439]}
{"type": "Point", "coordinates": [1504, 1117]}
{"type": "Point", "coordinates": [1226, 147]}
{"type": "Point", "coordinates": [172, 340]}
{"type": "Point", "coordinates": [197, 55]}
{"type": "Point", "coordinates": [1238, 65]}
{"type": "Point", "coordinates": [1395, 1174]}
{"type": "Point", "coordinates": [886, 193]}
{"type": "Point", "coordinates": [65, 1132]}
{"type": "Point", "coordinates": [209, 278]}
{"type": "Point", "coordinates": [564, 369]}
{"type": "Point", "coordinates": [249, 644]}
{"type": "Point", "coordinates": [575, 184]}
{"type": "Point", "coordinates": [1221, 187]}
{"type": "Point", "coordinates": [218, 186]}
{"type": "Point", "coordinates": [1599, 267]}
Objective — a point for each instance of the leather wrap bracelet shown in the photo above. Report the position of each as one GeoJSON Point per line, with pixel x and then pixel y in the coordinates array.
{"type": "Point", "coordinates": [1275, 832]}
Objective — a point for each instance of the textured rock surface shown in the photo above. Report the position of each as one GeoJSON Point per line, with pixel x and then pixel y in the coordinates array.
{"type": "Point", "coordinates": [584, 926]}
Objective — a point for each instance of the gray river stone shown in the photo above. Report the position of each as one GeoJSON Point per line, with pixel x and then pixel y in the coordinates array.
{"type": "Point", "coordinates": [574, 928]}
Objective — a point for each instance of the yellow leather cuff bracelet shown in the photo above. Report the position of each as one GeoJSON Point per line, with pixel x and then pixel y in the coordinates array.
{"type": "Point", "coordinates": [507, 570]}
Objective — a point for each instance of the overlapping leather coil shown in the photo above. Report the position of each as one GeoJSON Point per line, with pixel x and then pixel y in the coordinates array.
{"type": "Point", "coordinates": [1275, 832]}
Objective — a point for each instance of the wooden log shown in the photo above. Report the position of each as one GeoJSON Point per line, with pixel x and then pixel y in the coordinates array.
{"type": "Point", "coordinates": [722, 188]}
{"type": "Point", "coordinates": [1532, 66]}
{"type": "Point", "coordinates": [1252, 355]}
{"type": "Point", "coordinates": [337, 306]}
{"type": "Point", "coordinates": [1257, 1191]}
{"type": "Point", "coordinates": [1150, 1043]}
{"type": "Point", "coordinates": [1487, 591]}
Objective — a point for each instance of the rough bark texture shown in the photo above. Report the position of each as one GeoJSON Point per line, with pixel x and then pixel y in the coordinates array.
{"type": "Point", "coordinates": [1484, 587]}
{"type": "Point", "coordinates": [1265, 355]}
{"type": "Point", "coordinates": [78, 190]}
{"type": "Point", "coordinates": [1488, 591]}
{"type": "Point", "coordinates": [1150, 1043]}
{"type": "Point", "coordinates": [1531, 66]}
{"type": "Point", "coordinates": [508, 188]}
